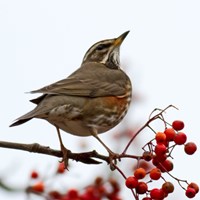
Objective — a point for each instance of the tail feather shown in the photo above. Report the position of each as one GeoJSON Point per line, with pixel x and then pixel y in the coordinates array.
{"type": "Point", "coordinates": [24, 118]}
{"type": "Point", "coordinates": [19, 122]}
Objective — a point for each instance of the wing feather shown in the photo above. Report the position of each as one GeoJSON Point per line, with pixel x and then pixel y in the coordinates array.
{"type": "Point", "coordinates": [89, 83]}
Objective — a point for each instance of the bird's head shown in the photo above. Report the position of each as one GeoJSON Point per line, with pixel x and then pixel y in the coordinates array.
{"type": "Point", "coordinates": [106, 52]}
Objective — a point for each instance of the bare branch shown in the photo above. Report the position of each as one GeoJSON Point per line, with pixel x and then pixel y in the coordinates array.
{"type": "Point", "coordinates": [85, 157]}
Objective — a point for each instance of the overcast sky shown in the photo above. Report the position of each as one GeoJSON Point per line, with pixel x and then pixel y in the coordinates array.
{"type": "Point", "coordinates": [44, 41]}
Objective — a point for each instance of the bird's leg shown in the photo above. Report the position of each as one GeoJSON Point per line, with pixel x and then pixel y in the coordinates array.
{"type": "Point", "coordinates": [63, 149]}
{"type": "Point", "coordinates": [112, 155]}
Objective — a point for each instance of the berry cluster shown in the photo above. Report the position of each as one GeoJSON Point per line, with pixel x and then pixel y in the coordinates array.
{"type": "Point", "coordinates": [99, 189]}
{"type": "Point", "coordinates": [155, 163]}
{"type": "Point", "coordinates": [158, 152]}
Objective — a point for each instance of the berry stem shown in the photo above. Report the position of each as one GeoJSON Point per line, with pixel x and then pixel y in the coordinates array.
{"type": "Point", "coordinates": [147, 124]}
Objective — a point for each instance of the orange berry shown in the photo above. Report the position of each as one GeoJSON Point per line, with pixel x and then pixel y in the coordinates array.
{"type": "Point", "coordinates": [61, 168]}
{"type": "Point", "coordinates": [170, 134]}
{"type": "Point", "coordinates": [140, 173]}
{"type": "Point", "coordinates": [178, 125]}
{"type": "Point", "coordinates": [155, 173]}
{"type": "Point", "coordinates": [38, 187]}
{"type": "Point", "coordinates": [160, 137]}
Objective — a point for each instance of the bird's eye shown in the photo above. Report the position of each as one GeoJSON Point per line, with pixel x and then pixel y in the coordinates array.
{"type": "Point", "coordinates": [102, 46]}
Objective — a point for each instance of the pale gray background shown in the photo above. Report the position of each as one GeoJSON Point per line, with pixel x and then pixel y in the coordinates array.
{"type": "Point", "coordinates": [44, 41]}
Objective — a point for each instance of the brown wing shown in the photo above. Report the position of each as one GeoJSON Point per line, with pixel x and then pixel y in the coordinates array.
{"type": "Point", "coordinates": [90, 81]}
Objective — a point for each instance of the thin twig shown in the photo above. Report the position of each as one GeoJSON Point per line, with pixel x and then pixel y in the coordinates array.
{"type": "Point", "coordinates": [146, 125]}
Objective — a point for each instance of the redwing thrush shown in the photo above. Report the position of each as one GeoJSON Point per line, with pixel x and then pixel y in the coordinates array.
{"type": "Point", "coordinates": [92, 100]}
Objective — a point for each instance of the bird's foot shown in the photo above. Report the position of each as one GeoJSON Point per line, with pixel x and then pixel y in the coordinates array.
{"type": "Point", "coordinates": [65, 158]}
{"type": "Point", "coordinates": [112, 159]}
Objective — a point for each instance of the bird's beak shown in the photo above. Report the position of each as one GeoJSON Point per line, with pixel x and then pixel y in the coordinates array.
{"type": "Point", "coordinates": [118, 41]}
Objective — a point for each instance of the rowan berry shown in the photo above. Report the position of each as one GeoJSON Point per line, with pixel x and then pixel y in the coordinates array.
{"type": "Point", "coordinates": [178, 125]}
{"type": "Point", "coordinates": [131, 182]}
{"type": "Point", "coordinates": [54, 194]}
{"type": "Point", "coordinates": [190, 192]}
{"type": "Point", "coordinates": [155, 174]}
{"type": "Point", "coordinates": [180, 138]}
{"type": "Point", "coordinates": [190, 148]}
{"type": "Point", "coordinates": [72, 194]}
{"type": "Point", "coordinates": [194, 186]}
{"type": "Point", "coordinates": [38, 187]}
{"type": "Point", "coordinates": [34, 174]}
{"type": "Point", "coordinates": [160, 149]}
{"type": "Point", "coordinates": [140, 173]}
{"type": "Point", "coordinates": [61, 168]}
{"type": "Point", "coordinates": [157, 193]}
{"type": "Point", "coordinates": [147, 155]}
{"type": "Point", "coordinates": [160, 137]}
{"type": "Point", "coordinates": [141, 188]}
{"type": "Point", "coordinates": [168, 187]}
{"type": "Point", "coordinates": [170, 134]}
{"type": "Point", "coordinates": [167, 165]}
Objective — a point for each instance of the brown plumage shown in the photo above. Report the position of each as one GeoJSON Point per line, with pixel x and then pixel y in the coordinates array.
{"type": "Point", "coordinates": [92, 100]}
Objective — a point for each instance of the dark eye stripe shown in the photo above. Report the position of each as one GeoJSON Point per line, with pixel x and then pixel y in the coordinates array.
{"type": "Point", "coordinates": [102, 46]}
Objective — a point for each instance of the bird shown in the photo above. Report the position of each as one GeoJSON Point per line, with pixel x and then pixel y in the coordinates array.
{"type": "Point", "coordinates": [92, 100]}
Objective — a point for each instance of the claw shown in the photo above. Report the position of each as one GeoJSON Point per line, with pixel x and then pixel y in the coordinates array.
{"type": "Point", "coordinates": [113, 160]}
{"type": "Point", "coordinates": [65, 157]}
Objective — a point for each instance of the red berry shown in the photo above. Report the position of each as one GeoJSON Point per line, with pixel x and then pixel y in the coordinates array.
{"type": "Point", "coordinates": [131, 182]}
{"type": "Point", "coordinates": [170, 134]}
{"type": "Point", "coordinates": [168, 187]}
{"type": "Point", "coordinates": [160, 149]}
{"type": "Point", "coordinates": [34, 174]}
{"type": "Point", "coordinates": [61, 168]}
{"type": "Point", "coordinates": [194, 186]}
{"type": "Point", "coordinates": [140, 173]}
{"type": "Point", "coordinates": [157, 193]}
{"type": "Point", "coordinates": [155, 174]}
{"type": "Point", "coordinates": [190, 192]}
{"type": "Point", "coordinates": [72, 194]}
{"type": "Point", "coordinates": [190, 148]}
{"type": "Point", "coordinates": [54, 194]}
{"type": "Point", "coordinates": [147, 198]}
{"type": "Point", "coordinates": [160, 137]}
{"type": "Point", "coordinates": [167, 165]}
{"type": "Point", "coordinates": [178, 125]}
{"type": "Point", "coordinates": [141, 188]}
{"type": "Point", "coordinates": [180, 138]}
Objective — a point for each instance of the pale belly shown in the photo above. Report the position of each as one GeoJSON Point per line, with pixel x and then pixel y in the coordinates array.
{"type": "Point", "coordinates": [101, 114]}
